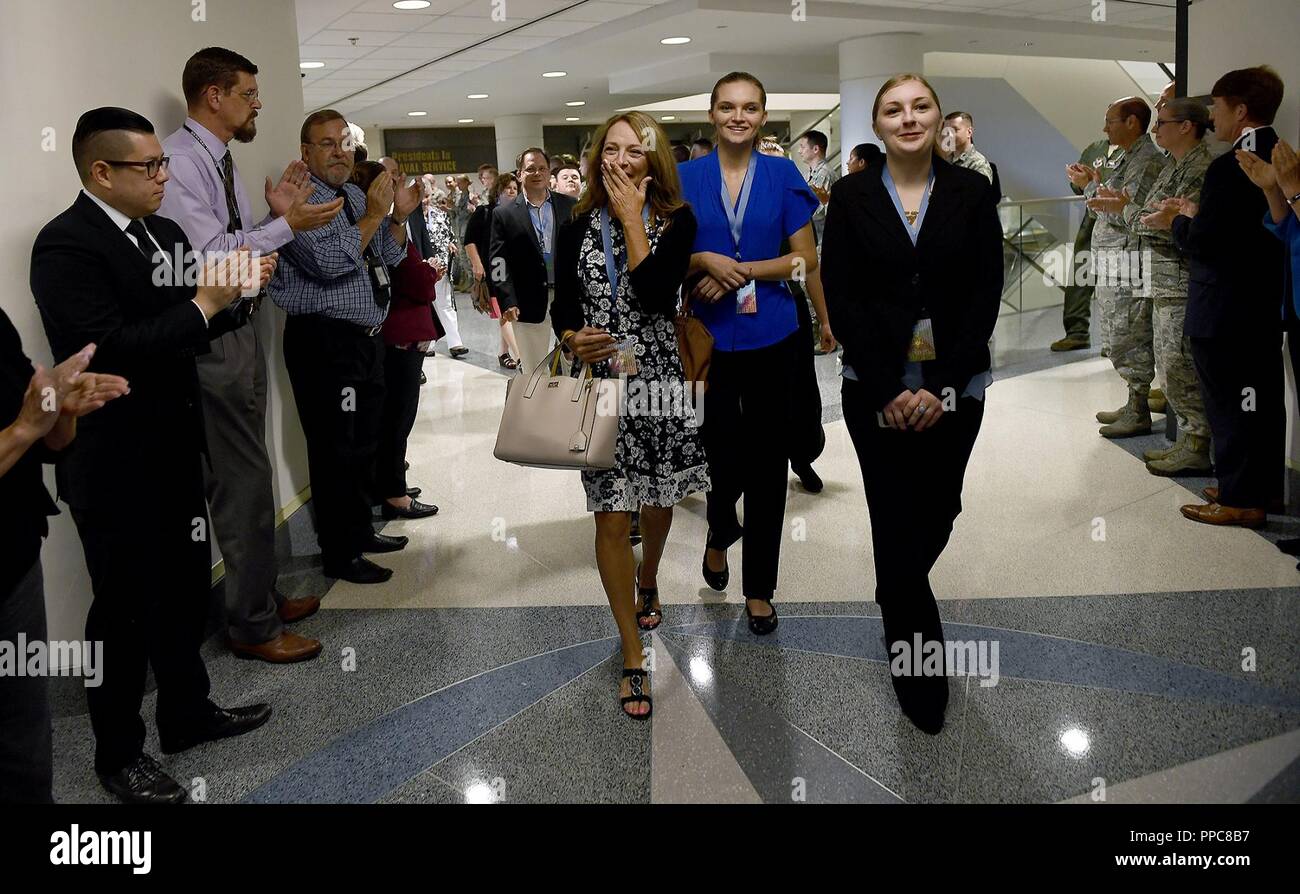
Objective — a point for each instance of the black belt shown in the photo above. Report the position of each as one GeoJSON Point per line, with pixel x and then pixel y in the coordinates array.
{"type": "Point", "coordinates": [367, 331]}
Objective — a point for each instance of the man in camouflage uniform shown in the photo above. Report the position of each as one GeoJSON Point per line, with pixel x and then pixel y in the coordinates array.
{"type": "Point", "coordinates": [1078, 295]}
{"type": "Point", "coordinates": [958, 144]}
{"type": "Point", "coordinates": [1179, 128]}
{"type": "Point", "coordinates": [1123, 286]}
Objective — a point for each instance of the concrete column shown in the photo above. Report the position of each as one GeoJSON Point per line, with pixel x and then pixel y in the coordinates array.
{"type": "Point", "coordinates": [865, 64]}
{"type": "Point", "coordinates": [515, 133]}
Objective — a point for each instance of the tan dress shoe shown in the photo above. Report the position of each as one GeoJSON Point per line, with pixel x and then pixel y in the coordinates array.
{"type": "Point", "coordinates": [296, 609]}
{"type": "Point", "coordinates": [1218, 514]}
{"type": "Point", "coordinates": [284, 649]}
{"type": "Point", "coordinates": [1211, 493]}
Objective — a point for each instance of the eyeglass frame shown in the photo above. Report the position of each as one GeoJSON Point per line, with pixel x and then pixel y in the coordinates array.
{"type": "Point", "coordinates": [1155, 125]}
{"type": "Point", "coordinates": [332, 145]}
{"type": "Point", "coordinates": [256, 95]}
{"type": "Point", "coordinates": [159, 163]}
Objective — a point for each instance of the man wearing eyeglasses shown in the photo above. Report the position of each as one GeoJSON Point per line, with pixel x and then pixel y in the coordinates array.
{"type": "Point", "coordinates": [101, 273]}
{"type": "Point", "coordinates": [1179, 129]}
{"type": "Point", "coordinates": [335, 284]}
{"type": "Point", "coordinates": [1122, 283]}
{"type": "Point", "coordinates": [206, 196]}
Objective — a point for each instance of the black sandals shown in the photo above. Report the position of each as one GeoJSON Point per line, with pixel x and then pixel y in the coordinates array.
{"type": "Point", "coordinates": [646, 594]}
{"type": "Point", "coordinates": [639, 679]}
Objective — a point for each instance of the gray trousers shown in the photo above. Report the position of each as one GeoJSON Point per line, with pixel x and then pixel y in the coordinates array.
{"type": "Point", "coordinates": [238, 484]}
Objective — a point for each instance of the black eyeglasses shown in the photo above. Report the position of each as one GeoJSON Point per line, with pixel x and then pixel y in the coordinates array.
{"type": "Point", "coordinates": [151, 167]}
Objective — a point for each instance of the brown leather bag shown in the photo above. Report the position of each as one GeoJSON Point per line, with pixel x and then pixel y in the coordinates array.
{"type": "Point", "coordinates": [694, 343]}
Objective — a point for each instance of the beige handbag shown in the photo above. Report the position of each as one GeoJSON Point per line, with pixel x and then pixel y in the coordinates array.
{"type": "Point", "coordinates": [558, 422]}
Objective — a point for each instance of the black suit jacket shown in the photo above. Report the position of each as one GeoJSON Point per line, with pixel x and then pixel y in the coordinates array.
{"type": "Point", "coordinates": [92, 285]}
{"type": "Point", "coordinates": [878, 284]}
{"type": "Point", "coordinates": [420, 232]}
{"type": "Point", "coordinates": [1236, 267]}
{"type": "Point", "coordinates": [515, 240]}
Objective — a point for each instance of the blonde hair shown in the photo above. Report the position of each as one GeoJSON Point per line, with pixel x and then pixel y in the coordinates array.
{"type": "Point", "coordinates": [899, 79]}
{"type": "Point", "coordinates": [664, 195]}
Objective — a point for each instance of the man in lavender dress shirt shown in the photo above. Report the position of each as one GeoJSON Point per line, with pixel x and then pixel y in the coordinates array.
{"type": "Point", "coordinates": [206, 197]}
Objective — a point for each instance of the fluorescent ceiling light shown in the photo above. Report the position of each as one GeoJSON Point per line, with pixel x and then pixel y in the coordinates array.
{"type": "Point", "coordinates": [668, 118]}
{"type": "Point", "coordinates": [576, 103]}
{"type": "Point", "coordinates": [571, 118]}
{"type": "Point", "coordinates": [411, 4]}
{"type": "Point", "coordinates": [417, 114]}
{"type": "Point", "coordinates": [311, 64]}
{"type": "Point", "coordinates": [476, 96]}
{"type": "Point", "coordinates": [776, 102]}
{"type": "Point", "coordinates": [464, 120]}
{"type": "Point", "coordinates": [674, 41]}
{"type": "Point", "coordinates": [554, 74]}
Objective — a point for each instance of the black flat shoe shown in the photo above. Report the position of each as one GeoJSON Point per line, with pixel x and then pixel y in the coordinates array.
{"type": "Point", "coordinates": [360, 571]}
{"type": "Point", "coordinates": [143, 781]}
{"type": "Point", "coordinates": [424, 380]}
{"type": "Point", "coordinates": [639, 679]}
{"type": "Point", "coordinates": [459, 352]}
{"type": "Point", "coordinates": [415, 510]}
{"type": "Point", "coordinates": [382, 543]}
{"type": "Point", "coordinates": [810, 480]}
{"type": "Point", "coordinates": [218, 723]}
{"type": "Point", "coordinates": [646, 594]}
{"type": "Point", "coordinates": [715, 579]}
{"type": "Point", "coordinates": [923, 701]}
{"type": "Point", "coordinates": [761, 625]}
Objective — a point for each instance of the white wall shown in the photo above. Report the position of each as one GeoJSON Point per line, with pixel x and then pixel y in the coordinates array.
{"type": "Point", "coordinates": [59, 58]}
{"type": "Point", "coordinates": [1227, 34]}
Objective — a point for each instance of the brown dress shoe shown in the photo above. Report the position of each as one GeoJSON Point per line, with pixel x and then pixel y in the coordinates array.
{"type": "Point", "coordinates": [1218, 514]}
{"type": "Point", "coordinates": [284, 649]}
{"type": "Point", "coordinates": [1211, 493]}
{"type": "Point", "coordinates": [296, 609]}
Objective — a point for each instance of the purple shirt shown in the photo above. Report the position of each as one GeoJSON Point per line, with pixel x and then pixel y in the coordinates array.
{"type": "Point", "coordinates": [195, 197]}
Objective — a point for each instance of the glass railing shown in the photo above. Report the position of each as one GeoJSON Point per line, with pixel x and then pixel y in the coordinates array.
{"type": "Point", "coordinates": [1038, 260]}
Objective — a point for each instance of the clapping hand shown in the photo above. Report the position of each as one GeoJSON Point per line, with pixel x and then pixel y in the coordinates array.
{"type": "Point", "coordinates": [280, 197]}
{"type": "Point", "coordinates": [1260, 172]}
{"type": "Point", "coordinates": [1162, 217]}
{"type": "Point", "coordinates": [1286, 168]}
{"type": "Point", "coordinates": [1081, 175]}
{"type": "Point", "coordinates": [1109, 201]}
{"type": "Point", "coordinates": [66, 390]}
{"type": "Point", "coordinates": [405, 198]}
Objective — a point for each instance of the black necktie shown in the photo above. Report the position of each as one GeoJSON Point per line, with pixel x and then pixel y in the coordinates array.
{"type": "Point", "coordinates": [142, 240]}
{"type": "Point", "coordinates": [232, 205]}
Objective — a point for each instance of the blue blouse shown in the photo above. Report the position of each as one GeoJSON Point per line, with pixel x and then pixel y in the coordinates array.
{"type": "Point", "coordinates": [780, 204]}
{"type": "Point", "coordinates": [1289, 232]}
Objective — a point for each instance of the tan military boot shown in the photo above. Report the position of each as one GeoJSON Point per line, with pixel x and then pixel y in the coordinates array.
{"type": "Point", "coordinates": [1163, 452]}
{"type": "Point", "coordinates": [1134, 419]}
{"type": "Point", "coordinates": [1109, 416]}
{"type": "Point", "coordinates": [1192, 457]}
{"type": "Point", "coordinates": [1156, 400]}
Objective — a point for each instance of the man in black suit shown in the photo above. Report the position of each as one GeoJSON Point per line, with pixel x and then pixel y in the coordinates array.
{"type": "Point", "coordinates": [106, 271]}
{"type": "Point", "coordinates": [1234, 306]}
{"type": "Point", "coordinates": [523, 235]}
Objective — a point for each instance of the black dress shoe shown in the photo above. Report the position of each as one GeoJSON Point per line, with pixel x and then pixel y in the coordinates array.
{"type": "Point", "coordinates": [143, 781]}
{"type": "Point", "coordinates": [218, 723]}
{"type": "Point", "coordinates": [359, 571]}
{"type": "Point", "coordinates": [424, 380]}
{"type": "Point", "coordinates": [413, 492]}
{"type": "Point", "coordinates": [810, 480]}
{"type": "Point", "coordinates": [459, 351]}
{"type": "Point", "coordinates": [415, 510]}
{"type": "Point", "coordinates": [382, 543]}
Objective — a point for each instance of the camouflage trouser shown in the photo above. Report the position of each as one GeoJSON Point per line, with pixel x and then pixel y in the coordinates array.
{"type": "Point", "coordinates": [1131, 348]}
{"type": "Point", "coordinates": [1174, 354]}
{"type": "Point", "coordinates": [1105, 312]}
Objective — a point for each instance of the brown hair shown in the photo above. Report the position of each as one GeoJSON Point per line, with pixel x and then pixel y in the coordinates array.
{"type": "Point", "coordinates": [531, 150]}
{"type": "Point", "coordinates": [213, 66]}
{"type": "Point", "coordinates": [734, 77]}
{"type": "Point", "coordinates": [1137, 107]}
{"type": "Point", "coordinates": [499, 185]}
{"type": "Point", "coordinates": [899, 79]}
{"type": "Point", "coordinates": [1259, 89]}
{"type": "Point", "coordinates": [663, 195]}
{"type": "Point", "coordinates": [321, 117]}
{"type": "Point", "coordinates": [365, 173]}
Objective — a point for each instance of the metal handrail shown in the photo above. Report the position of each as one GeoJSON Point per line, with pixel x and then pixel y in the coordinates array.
{"type": "Point", "coordinates": [1009, 202]}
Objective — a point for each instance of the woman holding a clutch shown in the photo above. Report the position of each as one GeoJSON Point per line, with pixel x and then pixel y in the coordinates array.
{"type": "Point", "coordinates": [748, 204]}
{"type": "Point", "coordinates": [916, 359]}
{"type": "Point", "coordinates": [618, 266]}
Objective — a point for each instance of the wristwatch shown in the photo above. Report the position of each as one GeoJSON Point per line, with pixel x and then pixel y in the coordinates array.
{"type": "Point", "coordinates": [1295, 198]}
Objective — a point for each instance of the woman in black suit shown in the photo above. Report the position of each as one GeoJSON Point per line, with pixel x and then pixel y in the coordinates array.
{"type": "Point", "coordinates": [912, 268]}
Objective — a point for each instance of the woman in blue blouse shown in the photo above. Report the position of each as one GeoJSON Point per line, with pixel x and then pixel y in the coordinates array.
{"type": "Point", "coordinates": [746, 204]}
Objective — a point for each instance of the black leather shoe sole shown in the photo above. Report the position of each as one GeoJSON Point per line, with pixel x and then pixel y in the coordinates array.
{"type": "Point", "coordinates": [417, 510]}
{"type": "Point", "coordinates": [382, 543]}
{"type": "Point", "coordinates": [245, 720]}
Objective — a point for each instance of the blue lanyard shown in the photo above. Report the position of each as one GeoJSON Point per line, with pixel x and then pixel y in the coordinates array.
{"type": "Point", "coordinates": [736, 216]}
{"type": "Point", "coordinates": [611, 269]}
{"type": "Point", "coordinates": [541, 225]}
{"type": "Point", "coordinates": [912, 232]}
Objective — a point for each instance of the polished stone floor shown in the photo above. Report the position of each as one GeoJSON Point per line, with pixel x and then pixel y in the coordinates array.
{"type": "Point", "coordinates": [1139, 657]}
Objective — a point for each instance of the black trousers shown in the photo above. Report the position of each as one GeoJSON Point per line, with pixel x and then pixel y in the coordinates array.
{"type": "Point", "coordinates": [401, 401]}
{"type": "Point", "coordinates": [1249, 435]}
{"type": "Point", "coordinates": [746, 434]}
{"type": "Point", "coordinates": [913, 483]}
{"type": "Point", "coordinates": [337, 373]}
{"type": "Point", "coordinates": [808, 438]}
{"type": "Point", "coordinates": [1078, 298]}
{"type": "Point", "coordinates": [26, 749]}
{"type": "Point", "coordinates": [150, 575]}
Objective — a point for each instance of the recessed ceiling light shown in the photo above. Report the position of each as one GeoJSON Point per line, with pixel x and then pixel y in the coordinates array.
{"type": "Point", "coordinates": [476, 96]}
{"type": "Point", "coordinates": [554, 74]}
{"type": "Point", "coordinates": [464, 120]}
{"type": "Point", "coordinates": [576, 103]}
{"type": "Point", "coordinates": [311, 64]}
{"type": "Point", "coordinates": [668, 118]}
{"type": "Point", "coordinates": [411, 4]}
{"type": "Point", "coordinates": [571, 118]}
{"type": "Point", "coordinates": [417, 114]}
{"type": "Point", "coordinates": [674, 41]}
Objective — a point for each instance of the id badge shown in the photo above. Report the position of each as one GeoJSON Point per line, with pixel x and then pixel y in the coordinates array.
{"type": "Point", "coordinates": [747, 298]}
{"type": "Point", "coordinates": [381, 275]}
{"type": "Point", "coordinates": [922, 347]}
{"type": "Point", "coordinates": [624, 362]}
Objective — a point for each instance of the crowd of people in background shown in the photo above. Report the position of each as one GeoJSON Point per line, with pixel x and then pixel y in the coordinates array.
{"type": "Point", "coordinates": [595, 258]}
